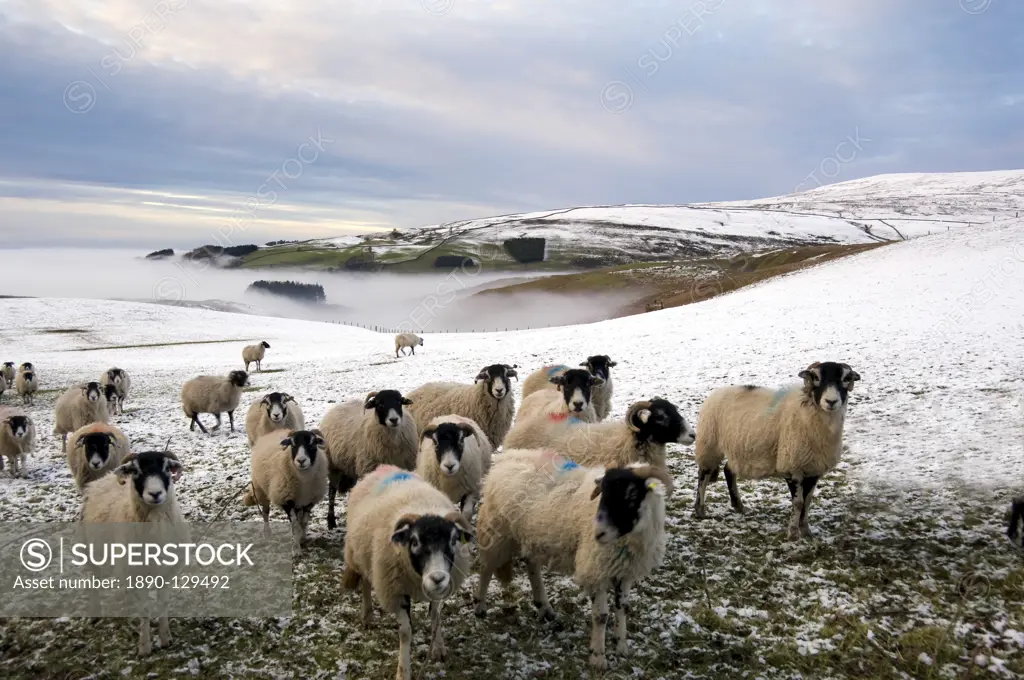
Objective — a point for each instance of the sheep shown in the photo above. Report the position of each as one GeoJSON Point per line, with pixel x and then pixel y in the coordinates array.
{"type": "Point", "coordinates": [8, 371]}
{"type": "Point", "coordinates": [599, 365]}
{"type": "Point", "coordinates": [26, 385]}
{"type": "Point", "coordinates": [4, 385]}
{"type": "Point", "coordinates": [1014, 533]}
{"type": "Point", "coordinates": [639, 438]}
{"type": "Point", "coordinates": [488, 401]}
{"type": "Point", "coordinates": [273, 412]}
{"type": "Point", "coordinates": [17, 440]}
{"type": "Point", "coordinates": [573, 399]}
{"type": "Point", "coordinates": [120, 379]}
{"type": "Point", "coordinates": [77, 407]}
{"type": "Point", "coordinates": [605, 527]}
{"type": "Point", "coordinates": [289, 470]}
{"type": "Point", "coordinates": [404, 340]}
{"type": "Point", "coordinates": [406, 542]}
{"type": "Point", "coordinates": [254, 354]}
{"type": "Point", "coordinates": [94, 450]}
{"type": "Point", "coordinates": [112, 397]}
{"type": "Point", "coordinates": [363, 434]}
{"type": "Point", "coordinates": [455, 456]}
{"type": "Point", "coordinates": [794, 432]}
{"type": "Point", "coordinates": [149, 497]}
{"type": "Point", "coordinates": [27, 366]}
{"type": "Point", "coordinates": [213, 394]}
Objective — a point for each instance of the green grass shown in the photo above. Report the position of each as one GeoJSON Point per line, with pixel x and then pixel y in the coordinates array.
{"type": "Point", "coordinates": [155, 344]}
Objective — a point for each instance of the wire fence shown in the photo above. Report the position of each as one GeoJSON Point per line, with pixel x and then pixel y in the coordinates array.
{"type": "Point", "coordinates": [396, 331]}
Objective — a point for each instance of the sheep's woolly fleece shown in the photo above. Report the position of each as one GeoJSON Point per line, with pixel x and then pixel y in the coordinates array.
{"type": "Point", "coordinates": [910, 572]}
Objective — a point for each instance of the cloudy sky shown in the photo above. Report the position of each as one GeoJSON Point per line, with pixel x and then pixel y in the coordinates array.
{"type": "Point", "coordinates": [165, 123]}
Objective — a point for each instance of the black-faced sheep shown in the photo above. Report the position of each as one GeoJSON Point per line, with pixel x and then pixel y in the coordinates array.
{"type": "Point", "coordinates": [605, 527]}
{"type": "Point", "coordinates": [795, 433]}
{"type": "Point", "coordinates": [599, 365]}
{"type": "Point", "coordinates": [488, 401]}
{"type": "Point", "coordinates": [275, 411]}
{"type": "Point", "coordinates": [95, 450]}
{"type": "Point", "coordinates": [26, 385]}
{"type": "Point", "coordinates": [362, 434]}
{"type": "Point", "coordinates": [407, 340]}
{"type": "Point", "coordinates": [213, 394]}
{"type": "Point", "coordinates": [77, 407]}
{"type": "Point", "coordinates": [254, 354]}
{"type": "Point", "coordinates": [17, 440]}
{"type": "Point", "coordinates": [122, 382]}
{"type": "Point", "coordinates": [572, 399]}
{"type": "Point", "coordinates": [406, 542]}
{"type": "Point", "coordinates": [289, 470]}
{"type": "Point", "coordinates": [455, 456]}
{"type": "Point", "coordinates": [8, 371]}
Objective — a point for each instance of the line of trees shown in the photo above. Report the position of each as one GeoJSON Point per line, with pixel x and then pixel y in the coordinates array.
{"type": "Point", "coordinates": [303, 292]}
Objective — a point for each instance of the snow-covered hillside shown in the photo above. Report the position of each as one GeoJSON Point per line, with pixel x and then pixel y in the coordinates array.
{"type": "Point", "coordinates": [935, 437]}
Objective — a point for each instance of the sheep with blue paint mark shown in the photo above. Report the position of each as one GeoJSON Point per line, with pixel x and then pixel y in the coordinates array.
{"type": "Point", "coordinates": [572, 397]}
{"type": "Point", "coordinates": [795, 433]}
{"type": "Point", "coordinates": [599, 365]}
{"type": "Point", "coordinates": [605, 527]}
{"type": "Point", "coordinates": [406, 543]}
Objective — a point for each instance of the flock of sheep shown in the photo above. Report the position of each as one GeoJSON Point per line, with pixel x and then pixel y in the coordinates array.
{"type": "Point", "coordinates": [573, 489]}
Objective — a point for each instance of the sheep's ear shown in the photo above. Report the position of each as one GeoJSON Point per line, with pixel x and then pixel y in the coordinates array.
{"type": "Point", "coordinates": [482, 375]}
{"type": "Point", "coordinates": [406, 401]}
{"type": "Point", "coordinates": [125, 471]}
{"type": "Point", "coordinates": [265, 400]}
{"type": "Point", "coordinates": [596, 380]}
{"type": "Point", "coordinates": [110, 438]}
{"type": "Point", "coordinates": [807, 374]}
{"type": "Point", "coordinates": [467, 430]}
{"type": "Point", "coordinates": [403, 529]}
{"type": "Point", "coordinates": [557, 379]}
{"type": "Point", "coordinates": [173, 467]}
{"type": "Point", "coordinates": [585, 364]}
{"type": "Point", "coordinates": [466, 533]}
{"type": "Point", "coordinates": [429, 432]}
{"type": "Point", "coordinates": [612, 364]}
{"type": "Point", "coordinates": [287, 441]}
{"type": "Point", "coordinates": [597, 488]}
{"type": "Point", "coordinates": [371, 401]}
{"type": "Point", "coordinates": [643, 415]}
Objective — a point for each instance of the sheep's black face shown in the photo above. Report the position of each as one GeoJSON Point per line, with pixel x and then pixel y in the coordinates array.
{"type": "Point", "coordinates": [8, 364]}
{"type": "Point", "coordinates": [97, 448]}
{"type": "Point", "coordinates": [305, 446]}
{"type": "Point", "coordinates": [93, 391]}
{"type": "Point", "coordinates": [497, 378]}
{"type": "Point", "coordinates": [26, 366]}
{"type": "Point", "coordinates": [620, 509]}
{"type": "Point", "coordinates": [829, 384]}
{"type": "Point", "coordinates": [152, 473]}
{"type": "Point", "coordinates": [276, 404]}
{"type": "Point", "coordinates": [449, 444]}
{"type": "Point", "coordinates": [29, 375]}
{"type": "Point", "coordinates": [115, 375]}
{"type": "Point", "coordinates": [431, 542]}
{"type": "Point", "coordinates": [18, 425]}
{"type": "Point", "coordinates": [387, 404]}
{"type": "Point", "coordinates": [238, 378]}
{"type": "Point", "coordinates": [110, 392]}
{"type": "Point", "coordinates": [577, 386]}
{"type": "Point", "coordinates": [661, 422]}
{"type": "Point", "coordinates": [265, 344]}
{"type": "Point", "coordinates": [600, 365]}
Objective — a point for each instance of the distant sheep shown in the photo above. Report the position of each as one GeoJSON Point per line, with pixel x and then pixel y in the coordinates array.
{"type": "Point", "coordinates": [80, 405]}
{"type": "Point", "coordinates": [275, 411]}
{"type": "Point", "coordinates": [17, 440]}
{"type": "Point", "coordinates": [95, 450]}
{"type": "Point", "coordinates": [605, 527]}
{"type": "Point", "coordinates": [1015, 533]}
{"type": "Point", "coordinates": [455, 455]}
{"type": "Point", "coordinates": [26, 385]}
{"type": "Point", "coordinates": [112, 397]}
{"type": "Point", "coordinates": [289, 470]}
{"type": "Point", "coordinates": [121, 381]}
{"type": "Point", "coordinates": [599, 365]}
{"type": "Point", "coordinates": [213, 394]}
{"type": "Point", "coordinates": [572, 398]}
{"type": "Point", "coordinates": [8, 372]}
{"type": "Point", "coordinates": [255, 354]}
{"type": "Point", "coordinates": [795, 433]}
{"type": "Point", "coordinates": [406, 543]}
{"type": "Point", "coordinates": [488, 401]}
{"type": "Point", "coordinates": [4, 385]}
{"type": "Point", "coordinates": [363, 434]}
{"type": "Point", "coordinates": [407, 340]}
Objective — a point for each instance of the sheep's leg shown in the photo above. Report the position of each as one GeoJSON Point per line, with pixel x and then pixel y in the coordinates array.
{"type": "Point", "coordinates": [437, 648]}
{"type": "Point", "coordinates": [231, 420]}
{"type": "Point", "coordinates": [145, 643]}
{"type": "Point", "coordinates": [219, 423]}
{"type": "Point", "coordinates": [334, 480]}
{"type": "Point", "coordinates": [367, 601]}
{"type": "Point", "coordinates": [797, 508]}
{"type": "Point", "coordinates": [404, 641]}
{"type": "Point", "coordinates": [808, 491]}
{"type": "Point", "coordinates": [468, 506]}
{"type": "Point", "coordinates": [704, 477]}
{"type": "Point", "coordinates": [599, 619]}
{"type": "Point", "coordinates": [480, 599]}
{"type": "Point", "coordinates": [540, 598]}
{"type": "Point", "coordinates": [196, 421]}
{"type": "Point", "coordinates": [64, 443]}
{"type": "Point", "coordinates": [734, 490]}
{"type": "Point", "coordinates": [621, 609]}
{"type": "Point", "coordinates": [164, 629]}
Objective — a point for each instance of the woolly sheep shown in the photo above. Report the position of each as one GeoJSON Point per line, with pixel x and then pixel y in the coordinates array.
{"type": "Point", "coordinates": [17, 440]}
{"type": "Point", "coordinates": [1015, 533]}
{"type": "Point", "coordinates": [363, 434]}
{"type": "Point", "coordinates": [275, 411]}
{"type": "Point", "coordinates": [95, 450]}
{"type": "Point", "coordinates": [149, 497]}
{"type": "Point", "coordinates": [77, 407]}
{"type": "Point", "coordinates": [404, 340]}
{"type": "Point", "coordinates": [639, 438]}
{"type": "Point", "coordinates": [406, 542]}
{"type": "Point", "coordinates": [255, 354]}
{"type": "Point", "coordinates": [4, 385]}
{"type": "Point", "coordinates": [112, 397]}
{"type": "Point", "coordinates": [289, 470]}
{"type": "Point", "coordinates": [8, 371]}
{"type": "Point", "coordinates": [605, 527]}
{"type": "Point", "coordinates": [26, 385]}
{"type": "Point", "coordinates": [454, 457]}
{"type": "Point", "coordinates": [794, 432]}
{"type": "Point", "coordinates": [121, 381]}
{"type": "Point", "coordinates": [213, 394]}
{"type": "Point", "coordinates": [488, 401]}
{"type": "Point", "coordinates": [599, 365]}
{"type": "Point", "coordinates": [27, 366]}
{"type": "Point", "coordinates": [572, 399]}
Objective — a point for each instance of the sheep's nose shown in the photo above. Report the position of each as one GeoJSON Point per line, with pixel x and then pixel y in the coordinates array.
{"type": "Point", "coordinates": [156, 496]}
{"type": "Point", "coordinates": [393, 421]}
{"type": "Point", "coordinates": [831, 402]}
{"type": "Point", "coordinates": [577, 405]}
{"type": "Point", "coordinates": [439, 579]}
{"type": "Point", "coordinates": [449, 466]}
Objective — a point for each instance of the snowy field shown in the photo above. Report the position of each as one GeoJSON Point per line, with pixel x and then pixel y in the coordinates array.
{"type": "Point", "coordinates": [909, 574]}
